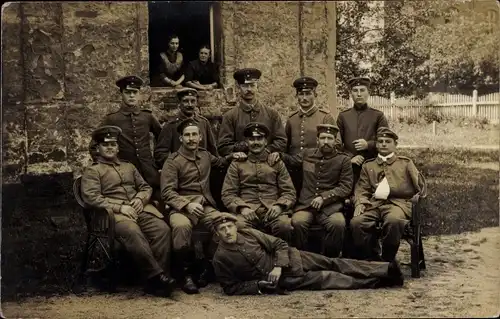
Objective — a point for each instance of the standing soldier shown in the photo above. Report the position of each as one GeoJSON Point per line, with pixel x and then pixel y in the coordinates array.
{"type": "Point", "coordinates": [231, 138]}
{"type": "Point", "coordinates": [327, 181]}
{"type": "Point", "coordinates": [136, 125]}
{"type": "Point", "coordinates": [358, 126]}
{"type": "Point", "coordinates": [169, 141]}
{"type": "Point", "coordinates": [384, 193]}
{"type": "Point", "coordinates": [301, 126]}
{"type": "Point", "coordinates": [185, 188]}
{"type": "Point", "coordinates": [117, 186]}
{"type": "Point", "coordinates": [259, 193]}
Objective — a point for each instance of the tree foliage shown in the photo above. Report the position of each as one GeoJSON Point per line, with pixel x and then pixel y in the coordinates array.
{"type": "Point", "coordinates": [441, 45]}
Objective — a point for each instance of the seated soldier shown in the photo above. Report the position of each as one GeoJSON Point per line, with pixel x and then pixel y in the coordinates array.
{"type": "Point", "coordinates": [202, 74]}
{"type": "Point", "coordinates": [249, 262]}
{"type": "Point", "coordinates": [169, 142]}
{"type": "Point", "coordinates": [117, 186]}
{"type": "Point", "coordinates": [185, 188]}
{"type": "Point", "coordinates": [259, 193]}
{"type": "Point", "coordinates": [383, 194]}
{"type": "Point", "coordinates": [327, 181]}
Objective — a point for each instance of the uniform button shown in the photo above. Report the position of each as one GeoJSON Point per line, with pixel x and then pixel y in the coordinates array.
{"type": "Point", "coordinates": [301, 148]}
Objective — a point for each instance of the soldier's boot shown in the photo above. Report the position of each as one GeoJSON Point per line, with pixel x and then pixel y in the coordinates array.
{"type": "Point", "coordinates": [160, 285]}
{"type": "Point", "coordinates": [187, 282]}
{"type": "Point", "coordinates": [206, 274]}
{"type": "Point", "coordinates": [389, 252]}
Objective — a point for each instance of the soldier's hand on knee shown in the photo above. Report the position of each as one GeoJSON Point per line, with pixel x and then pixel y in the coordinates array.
{"type": "Point", "coordinates": [128, 211]}
{"type": "Point", "coordinates": [358, 160]}
{"type": "Point", "coordinates": [137, 204]}
{"type": "Point", "coordinates": [273, 158]}
{"type": "Point", "coordinates": [317, 202]}
{"type": "Point", "coordinates": [195, 209]}
{"type": "Point", "coordinates": [274, 212]}
{"type": "Point", "coordinates": [360, 209]}
{"type": "Point", "coordinates": [248, 214]}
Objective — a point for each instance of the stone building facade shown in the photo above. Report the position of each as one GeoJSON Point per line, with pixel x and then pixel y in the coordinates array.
{"type": "Point", "coordinates": [60, 61]}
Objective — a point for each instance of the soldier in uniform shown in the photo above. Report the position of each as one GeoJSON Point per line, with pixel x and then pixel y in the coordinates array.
{"type": "Point", "coordinates": [259, 193]}
{"type": "Point", "coordinates": [116, 185]}
{"type": "Point", "coordinates": [136, 125]}
{"type": "Point", "coordinates": [300, 128]}
{"type": "Point", "coordinates": [249, 262]}
{"type": "Point", "coordinates": [327, 181]}
{"type": "Point", "coordinates": [185, 188]}
{"type": "Point", "coordinates": [384, 194]}
{"type": "Point", "coordinates": [231, 138]}
{"type": "Point", "coordinates": [169, 141]}
{"type": "Point", "coordinates": [358, 125]}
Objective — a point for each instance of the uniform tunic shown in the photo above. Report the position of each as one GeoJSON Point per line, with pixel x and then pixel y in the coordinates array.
{"type": "Point", "coordinates": [394, 212]}
{"type": "Point", "coordinates": [235, 120]}
{"type": "Point", "coordinates": [257, 185]}
{"type": "Point", "coordinates": [327, 176]}
{"type": "Point", "coordinates": [134, 141]}
{"type": "Point", "coordinates": [360, 124]}
{"type": "Point", "coordinates": [239, 266]}
{"type": "Point", "coordinates": [168, 141]}
{"type": "Point", "coordinates": [184, 180]}
{"type": "Point", "coordinates": [301, 130]}
{"type": "Point", "coordinates": [110, 184]}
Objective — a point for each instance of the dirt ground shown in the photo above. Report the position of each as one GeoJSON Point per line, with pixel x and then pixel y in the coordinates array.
{"type": "Point", "coordinates": [462, 280]}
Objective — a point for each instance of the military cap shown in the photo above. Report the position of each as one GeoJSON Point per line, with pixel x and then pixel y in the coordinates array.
{"type": "Point", "coordinates": [247, 75]}
{"type": "Point", "coordinates": [107, 133]}
{"type": "Point", "coordinates": [221, 218]}
{"type": "Point", "coordinates": [384, 131]}
{"type": "Point", "coordinates": [186, 91]}
{"type": "Point", "coordinates": [256, 129]}
{"type": "Point", "coordinates": [305, 83]}
{"type": "Point", "coordinates": [185, 123]}
{"type": "Point", "coordinates": [327, 128]}
{"type": "Point", "coordinates": [130, 82]}
{"type": "Point", "coordinates": [359, 81]}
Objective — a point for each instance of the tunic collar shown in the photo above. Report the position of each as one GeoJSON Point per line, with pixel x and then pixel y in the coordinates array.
{"type": "Point", "coordinates": [389, 159]}
{"type": "Point", "coordinates": [126, 110]}
{"type": "Point", "coordinates": [187, 155]}
{"type": "Point", "coordinates": [102, 160]}
{"type": "Point", "coordinates": [250, 107]}
{"type": "Point", "coordinates": [258, 157]}
{"type": "Point", "coordinates": [309, 112]}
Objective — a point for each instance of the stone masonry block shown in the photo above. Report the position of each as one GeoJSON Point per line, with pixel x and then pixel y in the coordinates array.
{"type": "Point", "coordinates": [12, 68]}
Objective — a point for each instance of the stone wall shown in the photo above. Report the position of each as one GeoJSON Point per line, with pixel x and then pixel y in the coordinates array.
{"type": "Point", "coordinates": [60, 62]}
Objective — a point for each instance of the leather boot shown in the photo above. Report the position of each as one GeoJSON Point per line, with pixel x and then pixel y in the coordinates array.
{"type": "Point", "coordinates": [160, 285]}
{"type": "Point", "coordinates": [188, 285]}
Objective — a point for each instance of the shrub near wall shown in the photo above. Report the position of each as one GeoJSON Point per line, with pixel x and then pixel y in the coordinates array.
{"type": "Point", "coordinates": [41, 254]}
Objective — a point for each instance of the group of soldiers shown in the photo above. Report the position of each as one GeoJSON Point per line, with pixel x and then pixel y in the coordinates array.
{"type": "Point", "coordinates": [279, 181]}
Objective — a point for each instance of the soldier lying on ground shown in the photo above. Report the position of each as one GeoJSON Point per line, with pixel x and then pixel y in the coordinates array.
{"type": "Point", "coordinates": [249, 262]}
{"type": "Point", "coordinates": [259, 193]}
{"type": "Point", "coordinates": [384, 193]}
{"type": "Point", "coordinates": [327, 181]}
{"type": "Point", "coordinates": [185, 188]}
{"type": "Point", "coordinates": [117, 186]}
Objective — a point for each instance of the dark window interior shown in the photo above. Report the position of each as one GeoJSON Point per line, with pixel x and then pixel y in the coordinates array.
{"type": "Point", "coordinates": [188, 20]}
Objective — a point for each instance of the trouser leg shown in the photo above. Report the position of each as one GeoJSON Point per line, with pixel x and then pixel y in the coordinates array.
{"type": "Point", "coordinates": [334, 226]}
{"type": "Point", "coordinates": [394, 221]}
{"type": "Point", "coordinates": [362, 230]}
{"type": "Point", "coordinates": [301, 221]}
{"type": "Point", "coordinates": [135, 242]}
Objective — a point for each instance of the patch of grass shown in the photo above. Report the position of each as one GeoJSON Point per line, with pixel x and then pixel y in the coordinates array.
{"type": "Point", "coordinates": [447, 134]}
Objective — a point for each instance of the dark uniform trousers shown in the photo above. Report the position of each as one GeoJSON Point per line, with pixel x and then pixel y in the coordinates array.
{"type": "Point", "coordinates": [148, 239]}
{"type": "Point", "coordinates": [394, 221]}
{"type": "Point", "coordinates": [280, 227]}
{"type": "Point", "coordinates": [240, 266]}
{"type": "Point", "coordinates": [334, 226]}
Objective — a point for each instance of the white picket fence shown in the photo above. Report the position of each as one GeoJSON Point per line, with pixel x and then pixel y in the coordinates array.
{"type": "Point", "coordinates": [449, 105]}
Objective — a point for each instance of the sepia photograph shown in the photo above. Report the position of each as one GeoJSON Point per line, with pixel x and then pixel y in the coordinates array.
{"type": "Point", "coordinates": [250, 159]}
